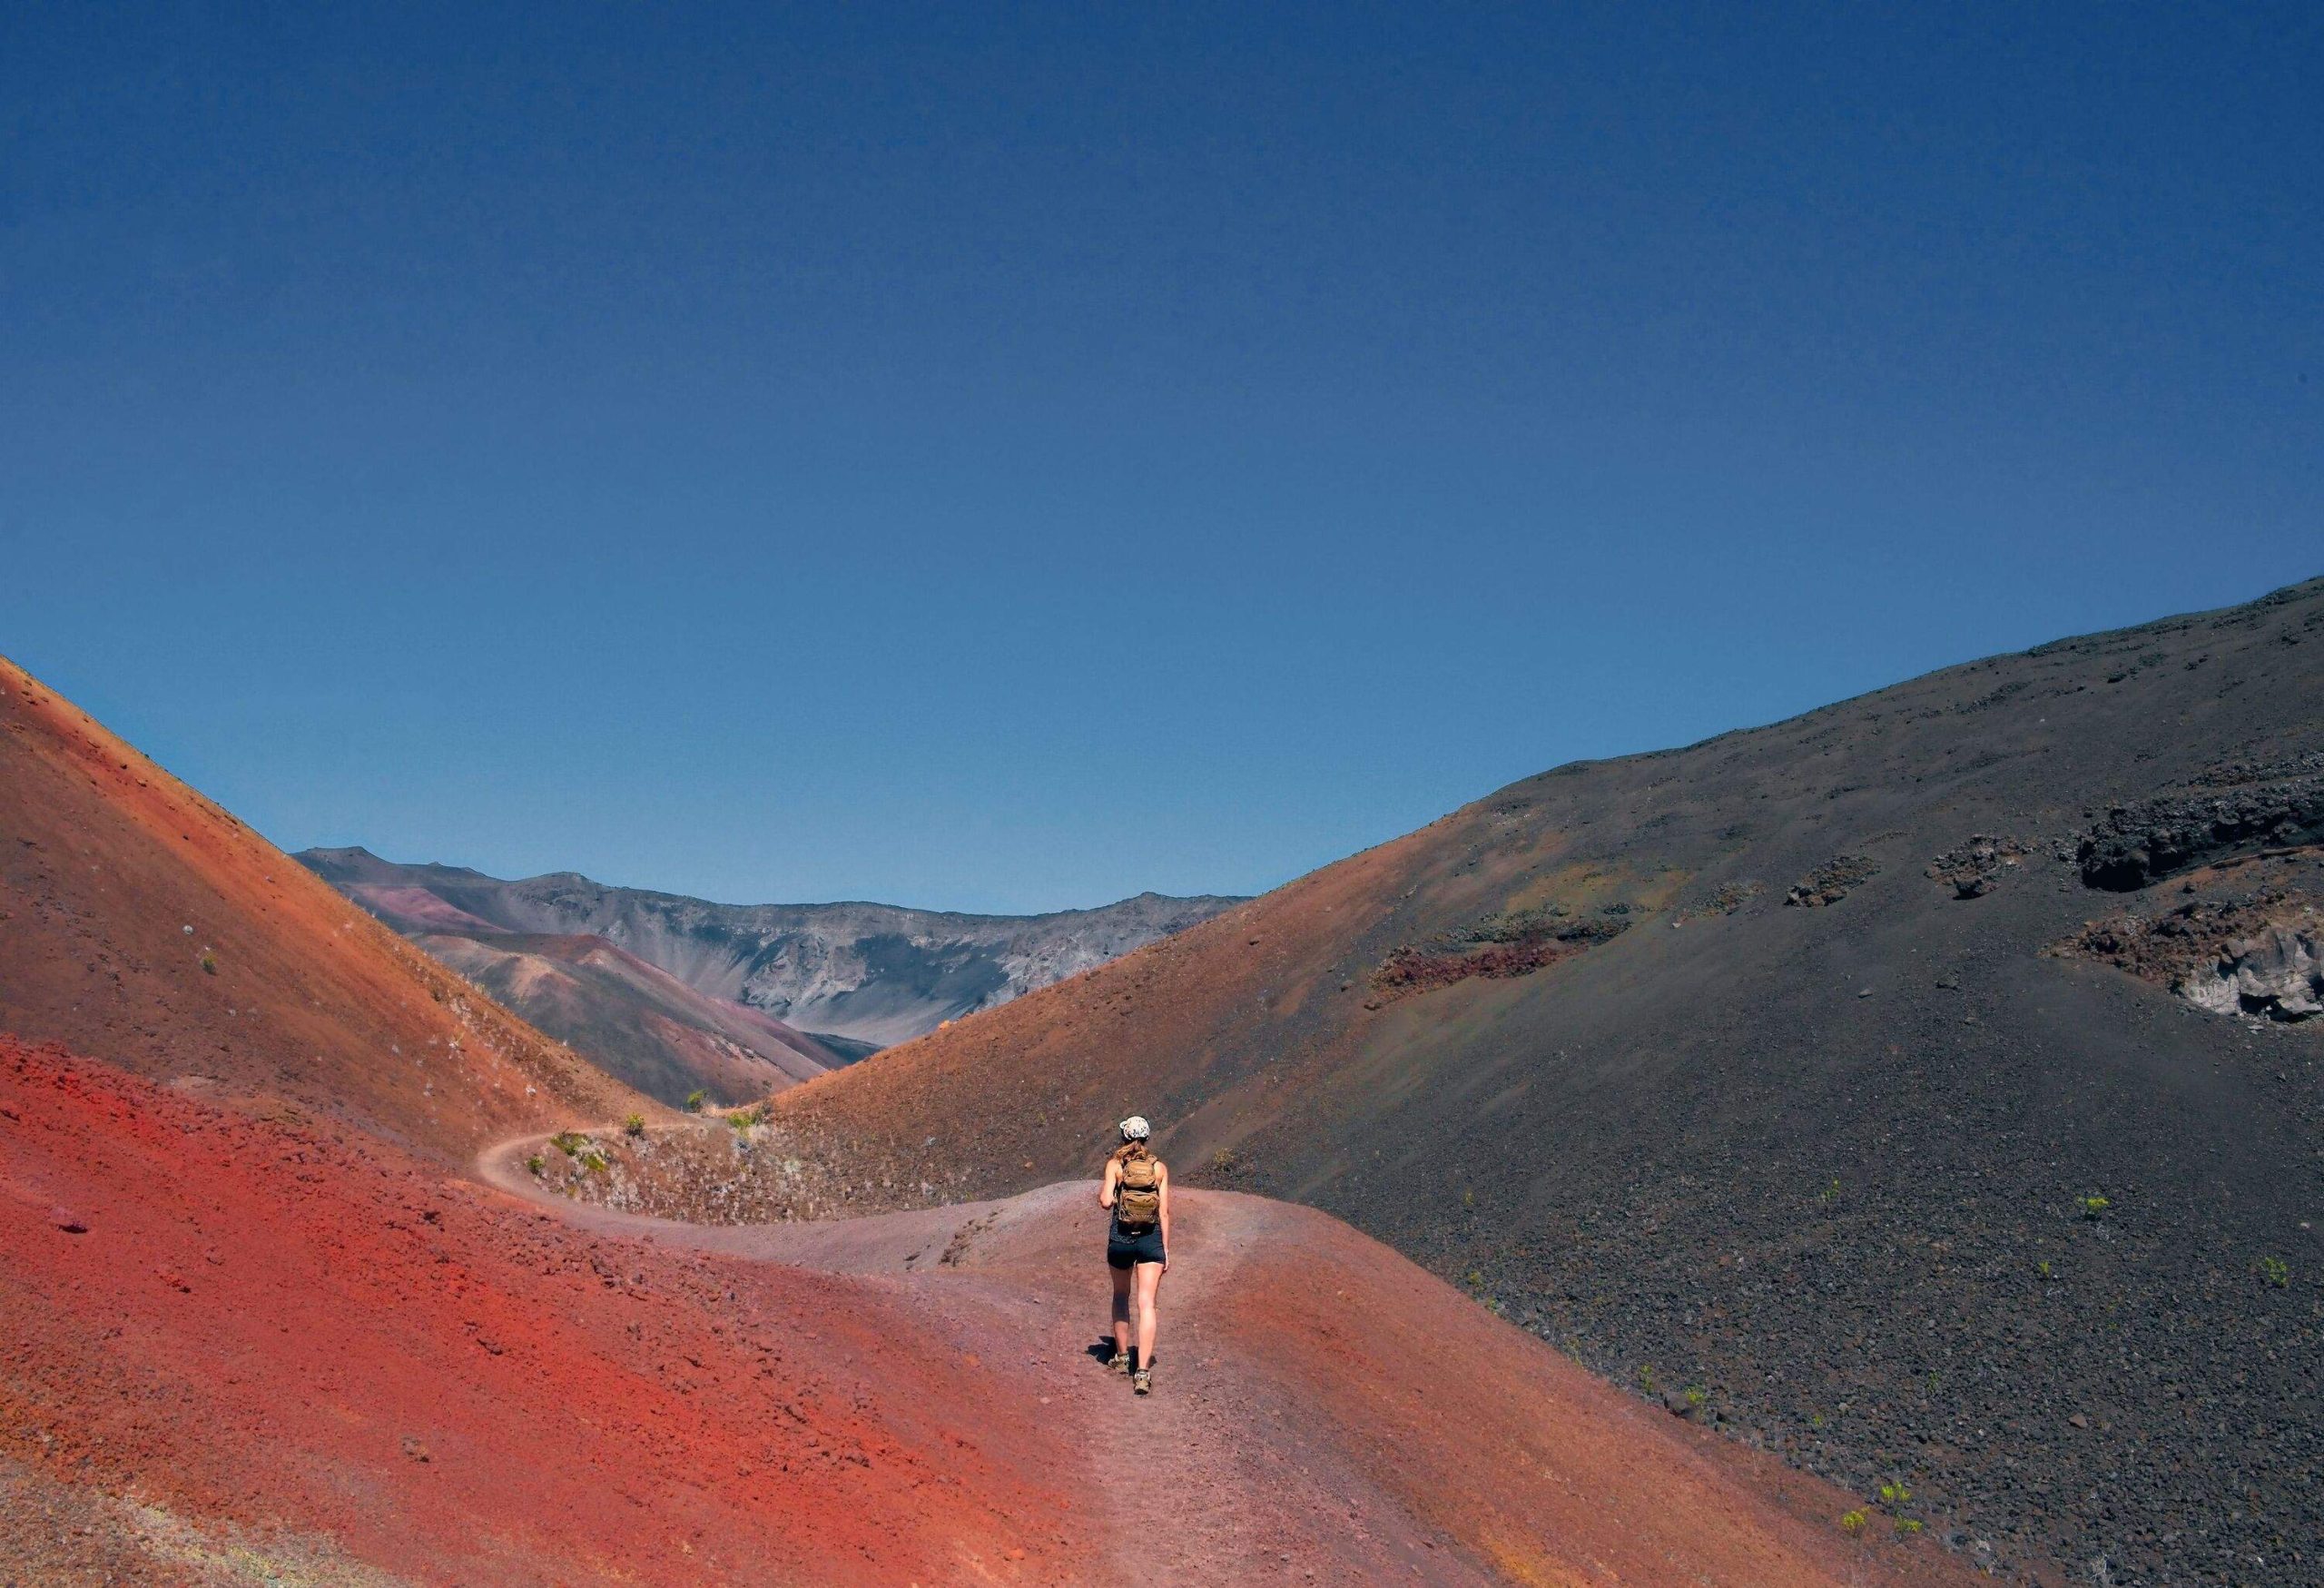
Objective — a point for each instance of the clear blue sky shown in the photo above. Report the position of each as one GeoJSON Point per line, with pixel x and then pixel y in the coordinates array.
{"type": "Point", "coordinates": [1005, 457]}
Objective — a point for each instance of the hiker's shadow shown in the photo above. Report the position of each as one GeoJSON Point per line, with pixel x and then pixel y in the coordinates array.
{"type": "Point", "coordinates": [1102, 1349]}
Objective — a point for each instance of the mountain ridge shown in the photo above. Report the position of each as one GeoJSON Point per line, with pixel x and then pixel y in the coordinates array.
{"type": "Point", "coordinates": [868, 974]}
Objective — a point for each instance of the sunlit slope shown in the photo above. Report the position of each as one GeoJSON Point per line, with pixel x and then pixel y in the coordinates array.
{"type": "Point", "coordinates": [146, 926]}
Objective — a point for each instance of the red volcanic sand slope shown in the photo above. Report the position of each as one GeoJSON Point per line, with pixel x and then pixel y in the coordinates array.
{"type": "Point", "coordinates": [142, 923]}
{"type": "Point", "coordinates": [326, 1351]}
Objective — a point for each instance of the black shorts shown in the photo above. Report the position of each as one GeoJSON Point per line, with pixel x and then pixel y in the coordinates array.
{"type": "Point", "coordinates": [1124, 1250]}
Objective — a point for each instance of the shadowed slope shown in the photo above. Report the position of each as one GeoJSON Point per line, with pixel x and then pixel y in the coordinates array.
{"type": "Point", "coordinates": [1829, 1160]}
{"type": "Point", "coordinates": [141, 922]}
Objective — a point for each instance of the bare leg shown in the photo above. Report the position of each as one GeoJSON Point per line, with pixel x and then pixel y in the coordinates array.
{"type": "Point", "coordinates": [1121, 1311]}
{"type": "Point", "coordinates": [1149, 1286]}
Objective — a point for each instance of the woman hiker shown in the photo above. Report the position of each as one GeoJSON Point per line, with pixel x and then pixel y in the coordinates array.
{"type": "Point", "coordinates": [1136, 1187]}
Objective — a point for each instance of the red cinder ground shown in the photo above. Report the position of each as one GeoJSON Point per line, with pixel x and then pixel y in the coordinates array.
{"type": "Point", "coordinates": [335, 1348]}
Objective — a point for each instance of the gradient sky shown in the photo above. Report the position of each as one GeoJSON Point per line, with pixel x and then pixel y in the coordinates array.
{"type": "Point", "coordinates": [1008, 457]}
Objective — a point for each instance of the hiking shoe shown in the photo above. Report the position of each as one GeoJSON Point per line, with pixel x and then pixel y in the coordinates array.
{"type": "Point", "coordinates": [1142, 1381]}
{"type": "Point", "coordinates": [1119, 1362]}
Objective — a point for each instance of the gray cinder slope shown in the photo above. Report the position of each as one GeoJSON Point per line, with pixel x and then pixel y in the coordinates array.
{"type": "Point", "coordinates": [1923, 1177]}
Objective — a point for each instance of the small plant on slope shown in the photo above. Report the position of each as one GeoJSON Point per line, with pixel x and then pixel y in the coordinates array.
{"type": "Point", "coordinates": [633, 1126]}
{"type": "Point", "coordinates": [694, 1100]}
{"type": "Point", "coordinates": [2275, 1273]}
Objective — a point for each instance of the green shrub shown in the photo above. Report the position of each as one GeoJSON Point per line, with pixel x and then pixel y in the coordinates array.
{"type": "Point", "coordinates": [1853, 1521]}
{"type": "Point", "coordinates": [568, 1142]}
{"type": "Point", "coordinates": [594, 1161]}
{"type": "Point", "coordinates": [209, 963]}
{"type": "Point", "coordinates": [633, 1126]}
{"type": "Point", "coordinates": [535, 1163]}
{"type": "Point", "coordinates": [2275, 1272]}
{"type": "Point", "coordinates": [2094, 1205]}
{"type": "Point", "coordinates": [694, 1100]}
{"type": "Point", "coordinates": [1895, 1494]}
{"type": "Point", "coordinates": [1907, 1525]}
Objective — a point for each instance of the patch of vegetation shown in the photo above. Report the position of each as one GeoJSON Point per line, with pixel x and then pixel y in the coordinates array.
{"type": "Point", "coordinates": [633, 1126]}
{"type": "Point", "coordinates": [569, 1142]}
{"type": "Point", "coordinates": [694, 1100]}
{"type": "Point", "coordinates": [2043, 1270]}
{"type": "Point", "coordinates": [1829, 1194]}
{"type": "Point", "coordinates": [209, 963]}
{"type": "Point", "coordinates": [1696, 1395]}
{"type": "Point", "coordinates": [1907, 1525]}
{"type": "Point", "coordinates": [535, 1163]}
{"type": "Point", "coordinates": [1895, 1492]}
{"type": "Point", "coordinates": [744, 1118]}
{"type": "Point", "coordinates": [594, 1161]}
{"type": "Point", "coordinates": [2275, 1273]}
{"type": "Point", "coordinates": [1224, 1161]}
{"type": "Point", "coordinates": [1852, 1521]}
{"type": "Point", "coordinates": [1646, 1376]}
{"type": "Point", "coordinates": [2093, 1206]}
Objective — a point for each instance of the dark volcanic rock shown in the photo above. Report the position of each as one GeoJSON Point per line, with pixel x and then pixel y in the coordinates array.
{"type": "Point", "coordinates": [2141, 842]}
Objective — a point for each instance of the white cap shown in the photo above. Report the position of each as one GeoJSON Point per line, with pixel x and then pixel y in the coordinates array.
{"type": "Point", "coordinates": [1136, 1128]}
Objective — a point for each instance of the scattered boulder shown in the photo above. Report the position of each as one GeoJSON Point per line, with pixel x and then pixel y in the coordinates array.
{"type": "Point", "coordinates": [1829, 883]}
{"type": "Point", "coordinates": [1971, 869]}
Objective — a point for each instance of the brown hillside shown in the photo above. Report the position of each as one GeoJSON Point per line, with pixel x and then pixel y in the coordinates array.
{"type": "Point", "coordinates": [142, 923]}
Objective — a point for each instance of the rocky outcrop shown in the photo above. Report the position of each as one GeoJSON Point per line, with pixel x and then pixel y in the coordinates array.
{"type": "Point", "coordinates": [1972, 870]}
{"type": "Point", "coordinates": [1830, 882]}
{"type": "Point", "coordinates": [2258, 954]}
{"type": "Point", "coordinates": [2138, 843]}
{"type": "Point", "coordinates": [2278, 975]}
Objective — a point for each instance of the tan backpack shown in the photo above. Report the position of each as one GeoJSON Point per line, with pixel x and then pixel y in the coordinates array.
{"type": "Point", "coordinates": [1138, 1197]}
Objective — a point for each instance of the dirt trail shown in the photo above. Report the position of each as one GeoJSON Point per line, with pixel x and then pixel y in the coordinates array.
{"type": "Point", "coordinates": [1324, 1411]}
